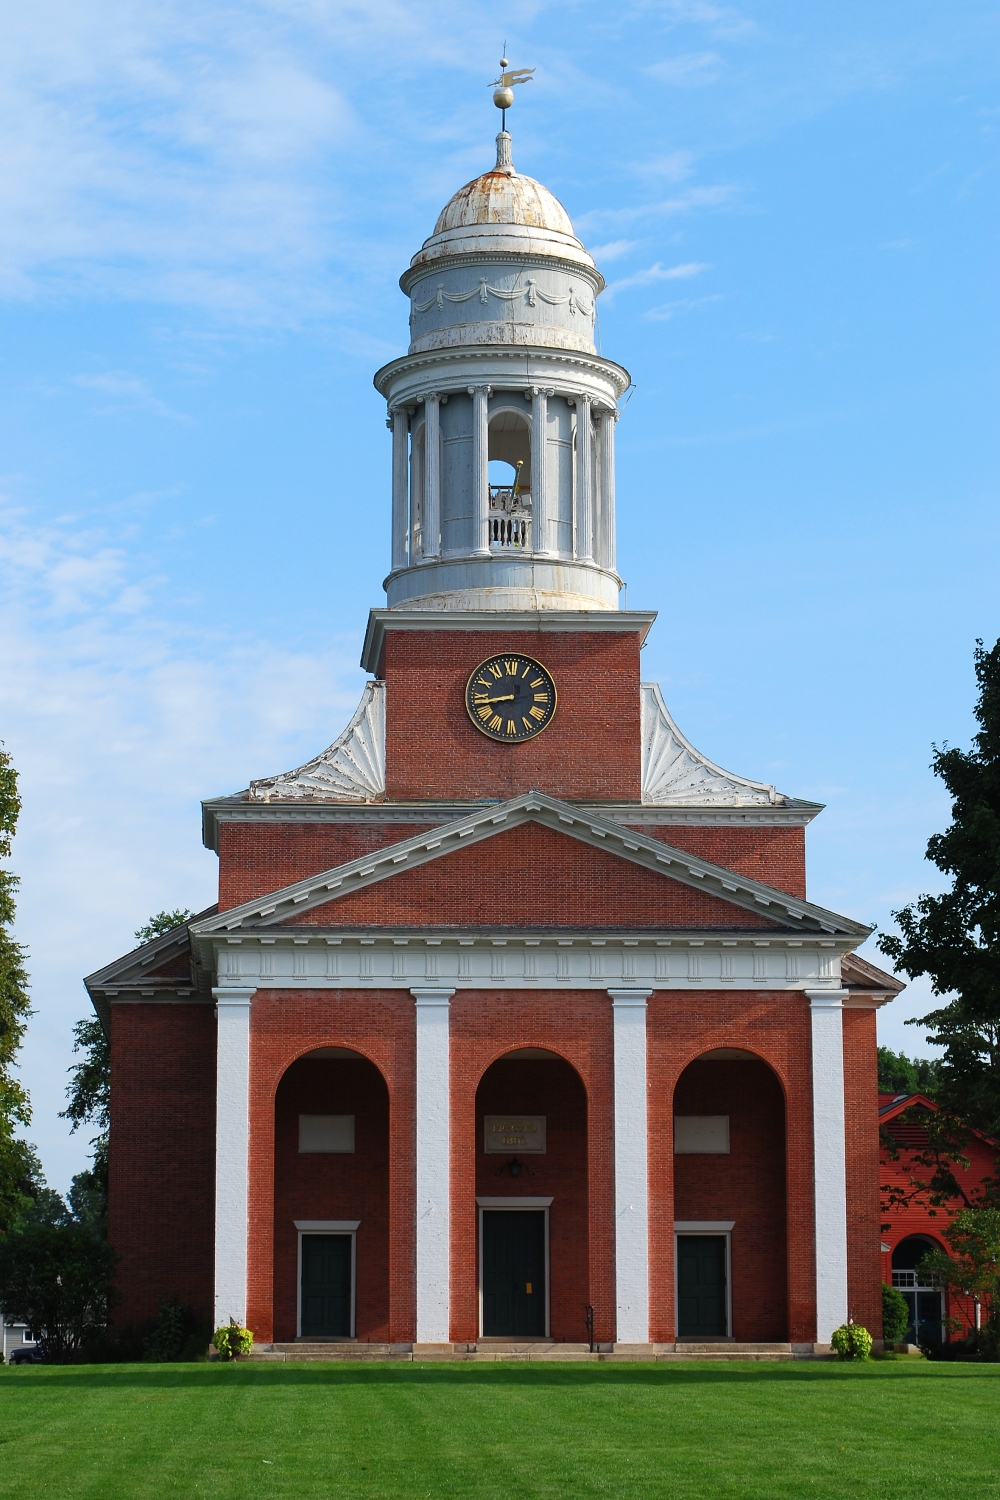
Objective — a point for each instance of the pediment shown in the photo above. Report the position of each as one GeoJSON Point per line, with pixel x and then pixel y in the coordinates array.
{"type": "Point", "coordinates": [161, 966]}
{"type": "Point", "coordinates": [735, 893]}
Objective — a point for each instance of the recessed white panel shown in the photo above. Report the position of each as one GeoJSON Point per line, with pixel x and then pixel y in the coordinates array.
{"type": "Point", "coordinates": [701, 1135]}
{"type": "Point", "coordinates": [326, 1133]}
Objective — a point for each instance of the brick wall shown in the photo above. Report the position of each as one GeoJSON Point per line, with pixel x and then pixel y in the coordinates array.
{"type": "Point", "coordinates": [577, 1026]}
{"type": "Point", "coordinates": [747, 1186]}
{"type": "Point", "coordinates": [591, 749]}
{"type": "Point", "coordinates": [531, 876]}
{"type": "Point", "coordinates": [162, 1157]}
{"type": "Point", "coordinates": [257, 858]}
{"type": "Point", "coordinates": [776, 1028]}
{"type": "Point", "coordinates": [381, 1026]}
{"type": "Point", "coordinates": [774, 856]}
{"type": "Point", "coordinates": [552, 1089]}
{"type": "Point", "coordinates": [864, 1289]}
{"type": "Point", "coordinates": [335, 1186]}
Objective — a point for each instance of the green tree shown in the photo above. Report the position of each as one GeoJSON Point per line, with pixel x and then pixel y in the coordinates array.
{"type": "Point", "coordinates": [45, 1205]}
{"type": "Point", "coordinates": [954, 938]}
{"type": "Point", "coordinates": [899, 1074]}
{"type": "Point", "coordinates": [161, 923]}
{"type": "Point", "coordinates": [971, 1271]}
{"type": "Point", "coordinates": [15, 1108]}
{"type": "Point", "coordinates": [59, 1280]}
{"type": "Point", "coordinates": [895, 1314]}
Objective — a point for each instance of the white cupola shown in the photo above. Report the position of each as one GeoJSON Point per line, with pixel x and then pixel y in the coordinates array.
{"type": "Point", "coordinates": [502, 370]}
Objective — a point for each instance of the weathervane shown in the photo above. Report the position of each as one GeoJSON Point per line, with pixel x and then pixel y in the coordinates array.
{"type": "Point", "coordinates": [504, 86]}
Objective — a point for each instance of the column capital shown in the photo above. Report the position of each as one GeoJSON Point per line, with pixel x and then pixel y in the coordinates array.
{"type": "Point", "coordinates": [233, 995]}
{"type": "Point", "coordinates": [826, 999]}
{"type": "Point", "coordinates": [474, 390]}
{"type": "Point", "coordinates": [622, 999]}
{"type": "Point", "coordinates": [431, 995]}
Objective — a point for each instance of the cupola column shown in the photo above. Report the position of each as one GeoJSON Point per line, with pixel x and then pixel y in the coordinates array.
{"type": "Point", "coordinates": [480, 467]}
{"type": "Point", "coordinates": [606, 547]}
{"type": "Point", "coordinates": [432, 474]}
{"type": "Point", "coordinates": [584, 483]}
{"type": "Point", "coordinates": [539, 499]}
{"type": "Point", "coordinates": [400, 422]}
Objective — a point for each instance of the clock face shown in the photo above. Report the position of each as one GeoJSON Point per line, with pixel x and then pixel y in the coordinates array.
{"type": "Point", "coordinates": [510, 698]}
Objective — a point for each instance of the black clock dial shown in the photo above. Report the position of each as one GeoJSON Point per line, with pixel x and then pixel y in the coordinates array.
{"type": "Point", "coordinates": [510, 697]}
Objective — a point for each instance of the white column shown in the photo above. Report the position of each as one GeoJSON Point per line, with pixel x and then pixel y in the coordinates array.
{"type": "Point", "coordinates": [433, 1166]}
{"type": "Point", "coordinates": [829, 1156]}
{"type": "Point", "coordinates": [539, 498]}
{"type": "Point", "coordinates": [232, 1152]}
{"type": "Point", "coordinates": [631, 1177]}
{"type": "Point", "coordinates": [400, 485]}
{"type": "Point", "coordinates": [480, 468]}
{"type": "Point", "coordinates": [432, 474]}
{"type": "Point", "coordinates": [606, 486]}
{"type": "Point", "coordinates": [584, 482]}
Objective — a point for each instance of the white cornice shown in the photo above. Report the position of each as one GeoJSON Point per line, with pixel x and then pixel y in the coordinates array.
{"type": "Point", "coordinates": [673, 771]}
{"type": "Point", "coordinates": [627, 965]}
{"type": "Point", "coordinates": [520, 364]}
{"type": "Point", "coordinates": [557, 621]}
{"type": "Point", "coordinates": [486, 822]}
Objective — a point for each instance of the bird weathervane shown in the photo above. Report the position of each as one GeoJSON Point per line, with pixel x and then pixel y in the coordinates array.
{"type": "Point", "coordinates": [504, 86]}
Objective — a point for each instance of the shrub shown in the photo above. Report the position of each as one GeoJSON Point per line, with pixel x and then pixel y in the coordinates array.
{"type": "Point", "coordinates": [231, 1340]}
{"type": "Point", "coordinates": [851, 1341]}
{"type": "Point", "coordinates": [177, 1334]}
{"type": "Point", "coordinates": [895, 1314]}
{"type": "Point", "coordinates": [58, 1279]}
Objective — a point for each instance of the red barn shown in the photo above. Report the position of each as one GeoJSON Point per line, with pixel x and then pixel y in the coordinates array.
{"type": "Point", "coordinates": [514, 1021]}
{"type": "Point", "coordinates": [915, 1225]}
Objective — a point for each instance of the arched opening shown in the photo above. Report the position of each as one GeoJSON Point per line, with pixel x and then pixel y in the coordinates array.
{"type": "Point", "coordinates": [531, 1190]}
{"type": "Point", "coordinates": [509, 454]}
{"type": "Point", "coordinates": [730, 1199]}
{"type": "Point", "coordinates": [925, 1301]}
{"type": "Point", "coordinates": [331, 1199]}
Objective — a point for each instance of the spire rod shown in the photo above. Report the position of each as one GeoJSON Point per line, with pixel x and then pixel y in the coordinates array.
{"type": "Point", "coordinates": [503, 90]}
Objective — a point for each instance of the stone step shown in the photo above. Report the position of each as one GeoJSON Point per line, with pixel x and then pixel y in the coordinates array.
{"type": "Point", "coordinates": [724, 1347]}
{"type": "Point", "coordinates": [330, 1350]}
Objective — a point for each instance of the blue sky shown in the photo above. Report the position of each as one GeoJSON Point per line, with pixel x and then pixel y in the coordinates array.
{"type": "Point", "coordinates": [203, 213]}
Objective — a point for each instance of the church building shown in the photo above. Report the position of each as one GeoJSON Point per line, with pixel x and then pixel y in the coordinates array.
{"type": "Point", "coordinates": [513, 1023]}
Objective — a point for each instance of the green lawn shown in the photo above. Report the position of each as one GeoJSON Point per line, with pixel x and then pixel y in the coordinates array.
{"type": "Point", "coordinates": [910, 1430]}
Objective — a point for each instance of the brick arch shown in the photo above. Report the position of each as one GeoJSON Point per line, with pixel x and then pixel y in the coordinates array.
{"type": "Point", "coordinates": [775, 1027]}
{"type": "Point", "coordinates": [380, 1026]}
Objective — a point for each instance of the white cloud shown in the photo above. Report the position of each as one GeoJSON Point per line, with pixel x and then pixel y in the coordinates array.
{"type": "Point", "coordinates": [688, 69]}
{"type": "Point", "coordinates": [120, 719]}
{"type": "Point", "coordinates": [125, 391]}
{"type": "Point", "coordinates": [684, 203]}
{"type": "Point", "coordinates": [613, 250]}
{"type": "Point", "coordinates": [656, 273]}
{"type": "Point", "coordinates": [669, 310]}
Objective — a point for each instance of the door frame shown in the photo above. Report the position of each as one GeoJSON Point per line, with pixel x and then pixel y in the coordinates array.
{"type": "Point", "coordinates": [718, 1229]}
{"type": "Point", "coordinates": [526, 1205]}
{"type": "Point", "coordinates": [326, 1226]}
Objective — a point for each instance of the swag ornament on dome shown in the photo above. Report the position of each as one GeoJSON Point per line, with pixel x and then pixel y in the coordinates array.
{"type": "Point", "coordinates": [530, 291]}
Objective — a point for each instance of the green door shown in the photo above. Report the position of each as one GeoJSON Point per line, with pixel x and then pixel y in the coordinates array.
{"type": "Point", "coordinates": [701, 1286]}
{"type": "Point", "coordinates": [326, 1286]}
{"type": "Point", "coordinates": [513, 1273]}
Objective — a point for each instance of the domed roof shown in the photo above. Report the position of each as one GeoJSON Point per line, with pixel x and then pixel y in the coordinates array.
{"type": "Point", "coordinates": [502, 211]}
{"type": "Point", "coordinates": [503, 196]}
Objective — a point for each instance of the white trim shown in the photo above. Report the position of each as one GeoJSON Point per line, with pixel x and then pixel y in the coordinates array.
{"type": "Point", "coordinates": [674, 771]}
{"type": "Point", "coordinates": [501, 1205]}
{"type": "Point", "coordinates": [232, 1152]}
{"type": "Point", "coordinates": [433, 1165]}
{"type": "Point", "coordinates": [830, 1159]}
{"type": "Point", "coordinates": [715, 1231]}
{"type": "Point", "coordinates": [631, 1171]}
{"type": "Point", "coordinates": [327, 1226]}
{"type": "Point", "coordinates": [786, 911]}
{"type": "Point", "coordinates": [703, 1226]}
{"type": "Point", "coordinates": [318, 1226]}
{"type": "Point", "coordinates": [514, 1202]}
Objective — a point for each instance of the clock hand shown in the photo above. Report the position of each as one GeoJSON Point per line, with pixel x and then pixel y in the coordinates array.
{"type": "Point", "coordinates": [504, 698]}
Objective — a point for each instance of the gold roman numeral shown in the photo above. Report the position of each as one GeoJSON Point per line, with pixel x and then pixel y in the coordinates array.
{"type": "Point", "coordinates": [511, 727]}
{"type": "Point", "coordinates": [541, 697]}
{"type": "Point", "coordinates": [538, 682]}
{"type": "Point", "coordinates": [526, 722]}
{"type": "Point", "coordinates": [496, 722]}
{"type": "Point", "coordinates": [512, 667]}
{"type": "Point", "coordinates": [484, 713]}
{"type": "Point", "coordinates": [537, 713]}
{"type": "Point", "coordinates": [496, 670]}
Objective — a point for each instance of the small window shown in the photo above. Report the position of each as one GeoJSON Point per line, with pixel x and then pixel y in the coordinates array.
{"type": "Point", "coordinates": [331, 1134]}
{"type": "Point", "coordinates": [701, 1135]}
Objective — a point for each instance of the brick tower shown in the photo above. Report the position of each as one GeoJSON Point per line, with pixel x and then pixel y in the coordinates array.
{"type": "Point", "coordinates": [513, 1021]}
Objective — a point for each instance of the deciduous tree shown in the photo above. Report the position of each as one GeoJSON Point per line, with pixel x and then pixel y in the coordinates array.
{"type": "Point", "coordinates": [15, 1108]}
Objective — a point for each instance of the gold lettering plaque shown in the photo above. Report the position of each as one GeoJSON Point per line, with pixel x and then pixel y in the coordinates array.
{"type": "Point", "coordinates": [514, 1135]}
